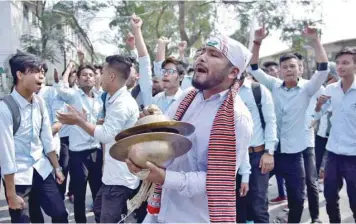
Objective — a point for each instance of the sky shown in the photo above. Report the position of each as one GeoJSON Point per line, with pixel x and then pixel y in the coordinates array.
{"type": "Point", "coordinates": [337, 19]}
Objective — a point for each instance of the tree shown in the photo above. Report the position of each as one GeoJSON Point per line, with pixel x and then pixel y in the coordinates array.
{"type": "Point", "coordinates": [194, 21]}
{"type": "Point", "coordinates": [177, 20]}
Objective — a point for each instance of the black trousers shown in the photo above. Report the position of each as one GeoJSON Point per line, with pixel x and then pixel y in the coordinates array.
{"type": "Point", "coordinates": [64, 163]}
{"type": "Point", "coordinates": [291, 168]}
{"type": "Point", "coordinates": [254, 206]}
{"type": "Point", "coordinates": [320, 150]}
{"type": "Point", "coordinates": [85, 166]}
{"type": "Point", "coordinates": [110, 203]}
{"type": "Point", "coordinates": [337, 168]}
{"type": "Point", "coordinates": [42, 193]}
{"type": "Point", "coordinates": [311, 178]}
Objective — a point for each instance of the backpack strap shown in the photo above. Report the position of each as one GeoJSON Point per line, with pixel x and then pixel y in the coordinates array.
{"type": "Point", "coordinates": [15, 111]}
{"type": "Point", "coordinates": [135, 91]}
{"type": "Point", "coordinates": [257, 94]}
{"type": "Point", "coordinates": [103, 98]}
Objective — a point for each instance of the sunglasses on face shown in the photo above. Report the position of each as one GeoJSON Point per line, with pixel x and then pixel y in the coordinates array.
{"type": "Point", "coordinates": [170, 71]}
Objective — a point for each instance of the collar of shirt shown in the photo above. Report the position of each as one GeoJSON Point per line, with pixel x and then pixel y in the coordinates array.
{"type": "Point", "coordinates": [82, 93]}
{"type": "Point", "coordinates": [353, 86]}
{"type": "Point", "coordinates": [299, 84]}
{"type": "Point", "coordinates": [177, 95]}
{"type": "Point", "coordinates": [112, 98]}
{"type": "Point", "coordinates": [221, 95]}
{"type": "Point", "coordinates": [20, 99]}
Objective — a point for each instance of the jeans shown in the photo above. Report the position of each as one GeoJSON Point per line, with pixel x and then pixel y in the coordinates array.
{"type": "Point", "coordinates": [320, 150]}
{"type": "Point", "coordinates": [337, 168]}
{"type": "Point", "coordinates": [64, 163]}
{"type": "Point", "coordinates": [110, 203]}
{"type": "Point", "coordinates": [311, 179]}
{"type": "Point", "coordinates": [41, 194]}
{"type": "Point", "coordinates": [255, 203]}
{"type": "Point", "coordinates": [291, 168]}
{"type": "Point", "coordinates": [281, 186]}
{"type": "Point", "coordinates": [85, 166]}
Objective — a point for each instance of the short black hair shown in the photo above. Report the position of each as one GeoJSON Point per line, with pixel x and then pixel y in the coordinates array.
{"type": "Point", "coordinates": [45, 67]}
{"type": "Point", "coordinates": [190, 70]}
{"type": "Point", "coordinates": [82, 67]}
{"type": "Point", "coordinates": [98, 67]}
{"type": "Point", "coordinates": [121, 64]}
{"type": "Point", "coordinates": [347, 50]}
{"type": "Point", "coordinates": [299, 56]}
{"type": "Point", "coordinates": [286, 57]}
{"type": "Point", "coordinates": [270, 63]}
{"type": "Point", "coordinates": [179, 65]}
{"type": "Point", "coordinates": [23, 62]}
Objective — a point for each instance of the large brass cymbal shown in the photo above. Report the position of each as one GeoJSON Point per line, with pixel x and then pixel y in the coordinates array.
{"type": "Point", "coordinates": [157, 147]}
{"type": "Point", "coordinates": [157, 123]}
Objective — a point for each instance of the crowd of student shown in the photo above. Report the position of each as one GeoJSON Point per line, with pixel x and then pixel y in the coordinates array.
{"type": "Point", "coordinates": [272, 120]}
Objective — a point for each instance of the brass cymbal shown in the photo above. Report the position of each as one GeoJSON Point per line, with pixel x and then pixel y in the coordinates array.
{"type": "Point", "coordinates": [157, 123]}
{"type": "Point", "coordinates": [157, 147]}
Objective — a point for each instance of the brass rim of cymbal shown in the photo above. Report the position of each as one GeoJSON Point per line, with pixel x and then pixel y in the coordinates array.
{"type": "Point", "coordinates": [180, 144]}
{"type": "Point", "coordinates": [175, 127]}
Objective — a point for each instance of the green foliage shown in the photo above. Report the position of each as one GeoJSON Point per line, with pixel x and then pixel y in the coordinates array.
{"type": "Point", "coordinates": [193, 21]}
{"type": "Point", "coordinates": [161, 18]}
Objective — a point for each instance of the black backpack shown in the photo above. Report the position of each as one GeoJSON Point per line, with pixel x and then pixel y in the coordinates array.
{"type": "Point", "coordinates": [257, 94]}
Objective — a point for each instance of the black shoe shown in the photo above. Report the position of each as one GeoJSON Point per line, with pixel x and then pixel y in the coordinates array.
{"type": "Point", "coordinates": [316, 221]}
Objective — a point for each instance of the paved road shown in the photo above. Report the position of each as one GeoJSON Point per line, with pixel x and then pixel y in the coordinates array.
{"type": "Point", "coordinates": [275, 210]}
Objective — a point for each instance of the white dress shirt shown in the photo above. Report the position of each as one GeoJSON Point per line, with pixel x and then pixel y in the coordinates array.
{"type": "Point", "coordinates": [184, 196]}
{"type": "Point", "coordinates": [342, 138]}
{"type": "Point", "coordinates": [324, 129]}
{"type": "Point", "coordinates": [60, 105]}
{"type": "Point", "coordinates": [121, 113]}
{"type": "Point", "coordinates": [268, 136]}
{"type": "Point", "coordinates": [291, 107]}
{"type": "Point", "coordinates": [145, 80]}
{"type": "Point", "coordinates": [50, 96]}
{"type": "Point", "coordinates": [79, 140]}
{"type": "Point", "coordinates": [310, 133]}
{"type": "Point", "coordinates": [27, 150]}
{"type": "Point", "coordinates": [97, 92]}
{"type": "Point", "coordinates": [164, 102]}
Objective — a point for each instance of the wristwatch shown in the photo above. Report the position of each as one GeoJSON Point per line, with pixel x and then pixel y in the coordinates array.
{"type": "Point", "coordinates": [269, 152]}
{"type": "Point", "coordinates": [59, 169]}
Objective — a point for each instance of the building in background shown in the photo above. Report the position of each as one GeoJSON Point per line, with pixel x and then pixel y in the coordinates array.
{"type": "Point", "coordinates": [19, 18]}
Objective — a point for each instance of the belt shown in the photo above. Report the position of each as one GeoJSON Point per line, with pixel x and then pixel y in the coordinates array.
{"type": "Point", "coordinates": [256, 149]}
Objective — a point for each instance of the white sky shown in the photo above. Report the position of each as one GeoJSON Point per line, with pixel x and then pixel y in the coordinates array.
{"type": "Point", "coordinates": [337, 18]}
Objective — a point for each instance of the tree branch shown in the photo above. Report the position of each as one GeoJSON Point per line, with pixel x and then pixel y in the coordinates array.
{"type": "Point", "coordinates": [206, 3]}
{"type": "Point", "coordinates": [159, 20]}
{"type": "Point", "coordinates": [233, 2]}
{"type": "Point", "coordinates": [181, 22]}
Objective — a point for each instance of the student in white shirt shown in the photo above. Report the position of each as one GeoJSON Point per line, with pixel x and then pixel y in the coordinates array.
{"type": "Point", "coordinates": [121, 113]}
{"type": "Point", "coordinates": [341, 146]}
{"type": "Point", "coordinates": [261, 151]}
{"type": "Point", "coordinates": [311, 175]}
{"type": "Point", "coordinates": [59, 105]}
{"type": "Point", "coordinates": [291, 97]}
{"type": "Point", "coordinates": [272, 68]}
{"type": "Point", "coordinates": [323, 125]}
{"type": "Point", "coordinates": [85, 152]}
{"type": "Point", "coordinates": [173, 72]}
{"type": "Point", "coordinates": [97, 87]}
{"type": "Point", "coordinates": [27, 157]}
